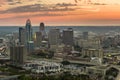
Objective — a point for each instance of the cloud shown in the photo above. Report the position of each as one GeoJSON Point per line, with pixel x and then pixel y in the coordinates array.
{"type": "Point", "coordinates": [34, 10]}
{"type": "Point", "coordinates": [37, 8]}
{"type": "Point", "coordinates": [93, 2]}
{"type": "Point", "coordinates": [14, 2]}
{"type": "Point", "coordinates": [10, 0]}
{"type": "Point", "coordinates": [40, 14]}
{"type": "Point", "coordinates": [94, 10]}
{"type": "Point", "coordinates": [48, 14]}
{"type": "Point", "coordinates": [65, 4]}
{"type": "Point", "coordinates": [85, 1]}
{"type": "Point", "coordinates": [77, 1]}
{"type": "Point", "coordinates": [98, 3]}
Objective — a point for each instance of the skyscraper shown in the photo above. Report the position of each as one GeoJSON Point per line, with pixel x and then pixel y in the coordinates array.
{"type": "Point", "coordinates": [54, 36]}
{"type": "Point", "coordinates": [17, 54]}
{"type": "Point", "coordinates": [30, 47]}
{"type": "Point", "coordinates": [42, 30]}
{"type": "Point", "coordinates": [22, 36]}
{"type": "Point", "coordinates": [28, 31]}
{"type": "Point", "coordinates": [68, 37]}
{"type": "Point", "coordinates": [85, 35]}
{"type": "Point", "coordinates": [38, 39]}
{"type": "Point", "coordinates": [29, 37]}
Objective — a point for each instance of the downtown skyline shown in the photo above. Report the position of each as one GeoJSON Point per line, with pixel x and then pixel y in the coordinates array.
{"type": "Point", "coordinates": [63, 12]}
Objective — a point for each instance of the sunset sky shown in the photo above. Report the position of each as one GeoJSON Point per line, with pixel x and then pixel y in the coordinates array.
{"type": "Point", "coordinates": [60, 12]}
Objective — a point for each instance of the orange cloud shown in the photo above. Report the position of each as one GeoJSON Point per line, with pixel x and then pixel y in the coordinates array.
{"type": "Point", "coordinates": [60, 13]}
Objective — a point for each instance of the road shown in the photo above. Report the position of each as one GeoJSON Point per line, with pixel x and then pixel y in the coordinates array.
{"type": "Point", "coordinates": [60, 60]}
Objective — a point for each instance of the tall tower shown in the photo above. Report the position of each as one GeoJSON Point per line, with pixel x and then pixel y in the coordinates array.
{"type": "Point", "coordinates": [29, 39]}
{"type": "Point", "coordinates": [38, 39]}
{"type": "Point", "coordinates": [28, 31]}
{"type": "Point", "coordinates": [22, 36]}
{"type": "Point", "coordinates": [42, 30]}
{"type": "Point", "coordinates": [17, 54]}
{"type": "Point", "coordinates": [54, 36]}
{"type": "Point", "coordinates": [68, 37]}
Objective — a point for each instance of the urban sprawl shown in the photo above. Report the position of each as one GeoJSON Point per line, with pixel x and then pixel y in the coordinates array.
{"type": "Point", "coordinates": [59, 55]}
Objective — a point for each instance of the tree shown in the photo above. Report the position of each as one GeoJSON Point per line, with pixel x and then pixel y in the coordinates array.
{"type": "Point", "coordinates": [51, 54]}
{"type": "Point", "coordinates": [65, 62]}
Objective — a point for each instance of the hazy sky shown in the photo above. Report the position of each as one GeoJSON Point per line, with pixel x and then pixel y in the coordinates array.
{"type": "Point", "coordinates": [60, 12]}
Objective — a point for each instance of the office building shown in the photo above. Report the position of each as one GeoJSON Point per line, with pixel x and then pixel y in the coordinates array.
{"type": "Point", "coordinates": [28, 31]}
{"type": "Point", "coordinates": [17, 54]}
{"type": "Point", "coordinates": [44, 45]}
{"type": "Point", "coordinates": [68, 37]}
{"type": "Point", "coordinates": [15, 38]}
{"type": "Point", "coordinates": [42, 30]}
{"type": "Point", "coordinates": [89, 43]}
{"type": "Point", "coordinates": [29, 36]}
{"type": "Point", "coordinates": [30, 47]}
{"type": "Point", "coordinates": [90, 52]}
{"type": "Point", "coordinates": [15, 35]}
{"type": "Point", "coordinates": [22, 36]}
{"type": "Point", "coordinates": [85, 35]}
{"type": "Point", "coordinates": [54, 36]}
{"type": "Point", "coordinates": [38, 39]}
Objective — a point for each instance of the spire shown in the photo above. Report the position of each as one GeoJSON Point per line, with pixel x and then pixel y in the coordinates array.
{"type": "Point", "coordinates": [42, 26]}
{"type": "Point", "coordinates": [28, 24]}
{"type": "Point", "coordinates": [28, 21]}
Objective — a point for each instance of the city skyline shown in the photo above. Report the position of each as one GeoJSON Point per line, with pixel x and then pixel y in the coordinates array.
{"type": "Point", "coordinates": [59, 40]}
{"type": "Point", "coordinates": [64, 12]}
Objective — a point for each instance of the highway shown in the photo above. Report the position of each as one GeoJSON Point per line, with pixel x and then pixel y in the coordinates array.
{"type": "Point", "coordinates": [60, 60]}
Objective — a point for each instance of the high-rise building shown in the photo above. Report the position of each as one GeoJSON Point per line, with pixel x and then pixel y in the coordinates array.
{"type": "Point", "coordinates": [29, 36]}
{"type": "Point", "coordinates": [38, 39]}
{"type": "Point", "coordinates": [42, 26]}
{"type": "Point", "coordinates": [15, 36]}
{"type": "Point", "coordinates": [11, 41]}
{"type": "Point", "coordinates": [42, 30]}
{"type": "Point", "coordinates": [17, 54]}
{"type": "Point", "coordinates": [22, 36]}
{"type": "Point", "coordinates": [85, 35]}
{"type": "Point", "coordinates": [28, 31]}
{"type": "Point", "coordinates": [54, 36]}
{"type": "Point", "coordinates": [30, 47]}
{"type": "Point", "coordinates": [68, 37]}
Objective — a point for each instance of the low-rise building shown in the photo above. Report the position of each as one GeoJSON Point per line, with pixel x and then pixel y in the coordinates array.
{"type": "Point", "coordinates": [104, 72]}
{"type": "Point", "coordinates": [13, 77]}
{"type": "Point", "coordinates": [43, 67]}
{"type": "Point", "coordinates": [89, 43]}
{"type": "Point", "coordinates": [89, 52]}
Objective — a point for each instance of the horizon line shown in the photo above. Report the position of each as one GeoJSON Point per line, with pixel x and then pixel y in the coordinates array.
{"type": "Point", "coordinates": [69, 26]}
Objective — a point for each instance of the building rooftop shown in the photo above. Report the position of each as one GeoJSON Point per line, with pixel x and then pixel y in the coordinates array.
{"type": "Point", "coordinates": [4, 77]}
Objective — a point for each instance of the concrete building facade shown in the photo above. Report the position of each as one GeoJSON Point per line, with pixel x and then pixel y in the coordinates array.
{"type": "Point", "coordinates": [68, 37]}
{"type": "Point", "coordinates": [17, 54]}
